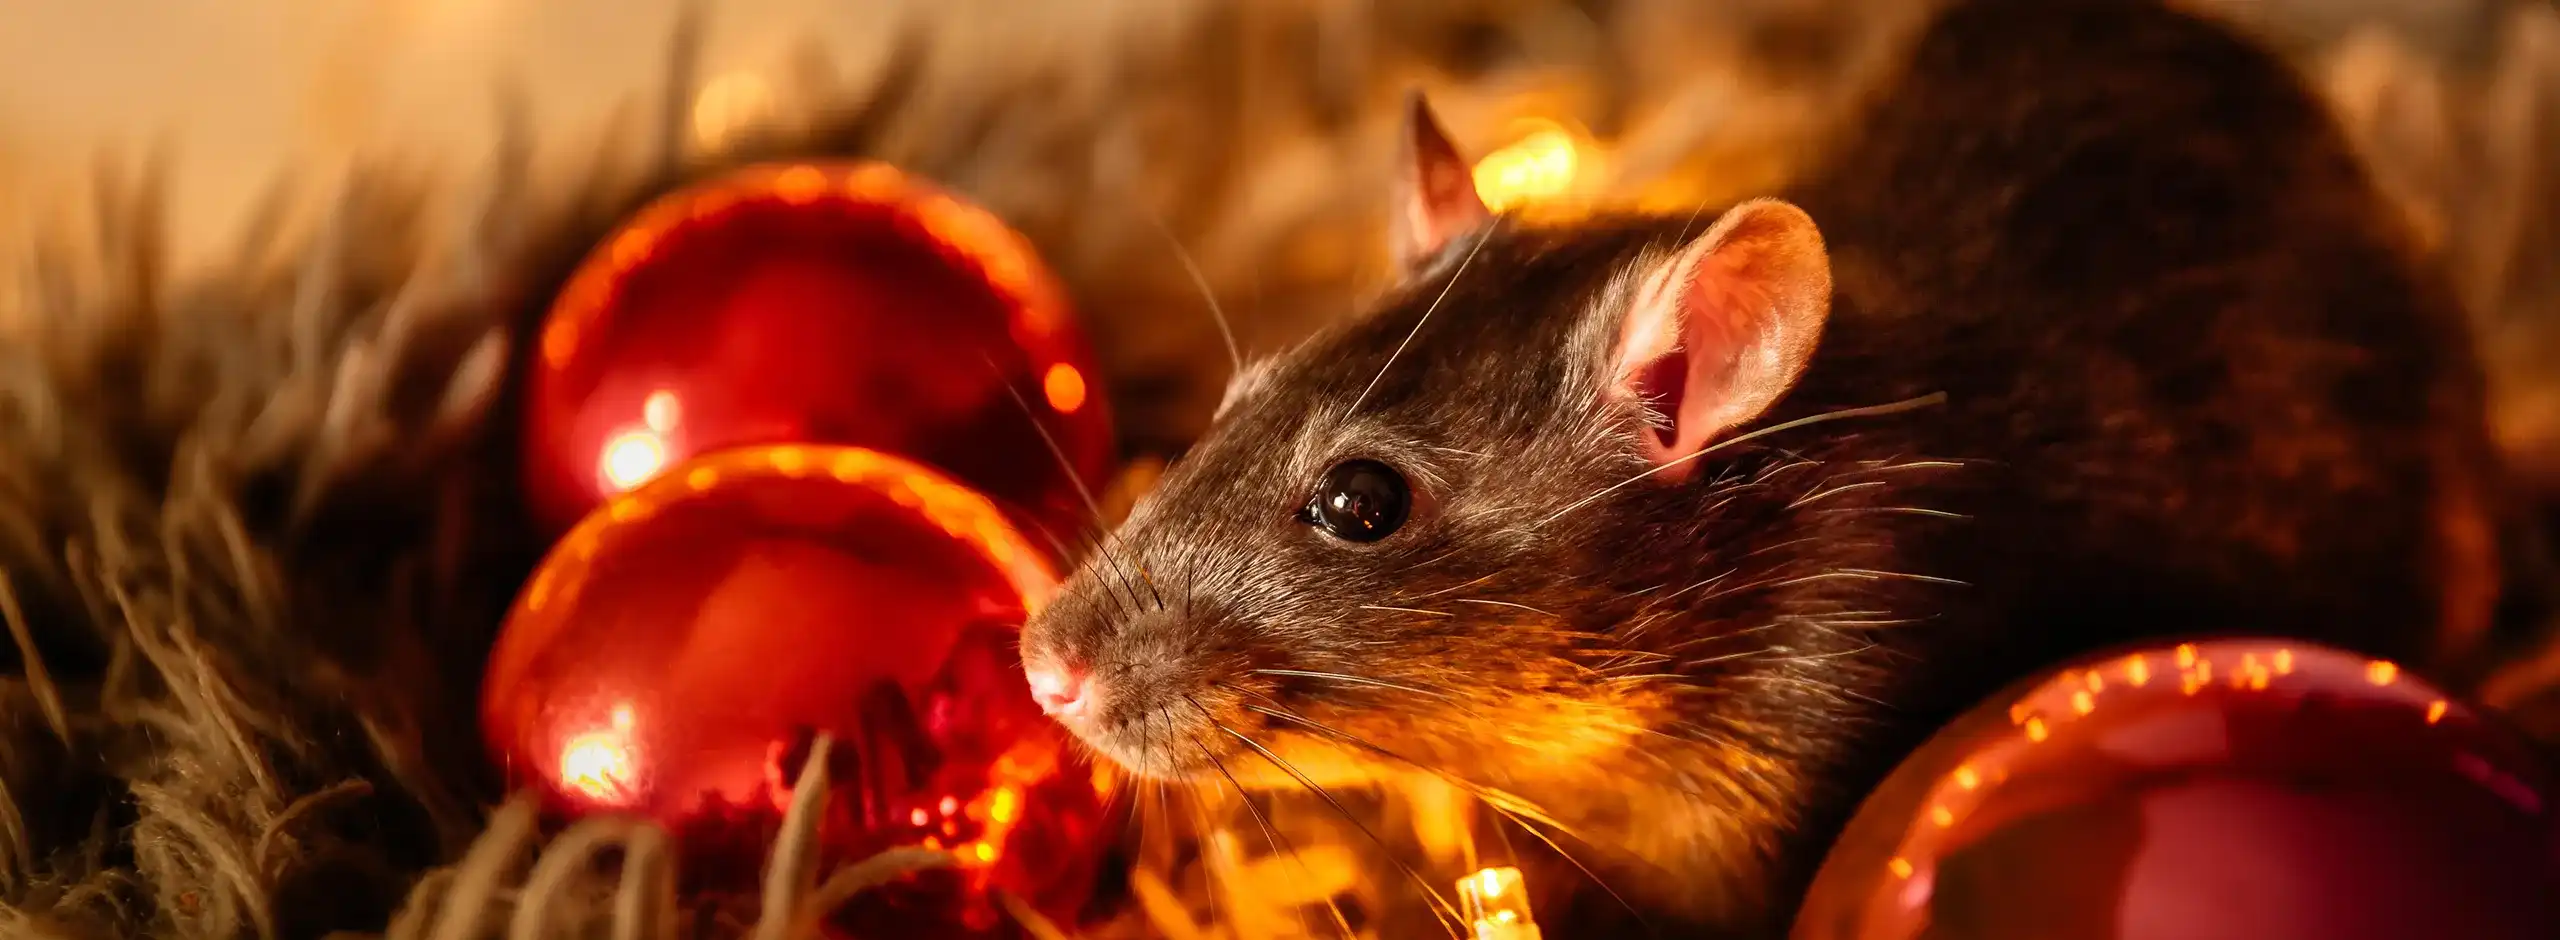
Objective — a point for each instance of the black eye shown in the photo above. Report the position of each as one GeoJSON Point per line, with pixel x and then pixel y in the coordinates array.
{"type": "Point", "coordinates": [1359, 501]}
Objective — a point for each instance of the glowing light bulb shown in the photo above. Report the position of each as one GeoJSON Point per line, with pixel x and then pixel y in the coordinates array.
{"type": "Point", "coordinates": [1539, 166]}
{"type": "Point", "coordinates": [1496, 906]}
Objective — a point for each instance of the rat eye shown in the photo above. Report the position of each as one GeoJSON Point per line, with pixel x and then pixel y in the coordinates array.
{"type": "Point", "coordinates": [1359, 501]}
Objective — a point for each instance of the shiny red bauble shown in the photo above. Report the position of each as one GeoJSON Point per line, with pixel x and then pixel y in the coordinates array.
{"type": "Point", "coordinates": [2237, 789]}
{"type": "Point", "coordinates": [826, 303]}
{"type": "Point", "coordinates": [679, 650]}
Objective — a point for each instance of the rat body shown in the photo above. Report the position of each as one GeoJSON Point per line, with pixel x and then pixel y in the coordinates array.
{"type": "Point", "coordinates": [1675, 534]}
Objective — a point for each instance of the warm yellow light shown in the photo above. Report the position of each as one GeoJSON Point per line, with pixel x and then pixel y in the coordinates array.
{"type": "Point", "coordinates": [1966, 778]}
{"type": "Point", "coordinates": [1943, 816]}
{"type": "Point", "coordinates": [2186, 655]}
{"type": "Point", "coordinates": [2435, 711]}
{"type": "Point", "coordinates": [1537, 167]}
{"type": "Point", "coordinates": [2083, 703]}
{"type": "Point", "coordinates": [623, 719]}
{"type": "Point", "coordinates": [950, 805]}
{"type": "Point", "coordinates": [597, 765]}
{"type": "Point", "coordinates": [727, 105]}
{"type": "Point", "coordinates": [2284, 662]}
{"type": "Point", "coordinates": [1901, 867]}
{"type": "Point", "coordinates": [983, 852]}
{"type": "Point", "coordinates": [1495, 906]}
{"type": "Point", "coordinates": [2138, 671]}
{"type": "Point", "coordinates": [1065, 388]}
{"type": "Point", "coordinates": [632, 457]}
{"type": "Point", "coordinates": [2035, 729]}
{"type": "Point", "coordinates": [1002, 806]}
{"type": "Point", "coordinates": [2381, 672]}
{"type": "Point", "coordinates": [918, 817]}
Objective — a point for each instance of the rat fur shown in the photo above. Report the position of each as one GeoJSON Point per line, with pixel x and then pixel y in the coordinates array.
{"type": "Point", "coordinates": [2120, 344]}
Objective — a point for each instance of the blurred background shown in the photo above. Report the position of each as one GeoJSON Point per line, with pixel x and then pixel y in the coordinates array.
{"type": "Point", "coordinates": [1255, 132]}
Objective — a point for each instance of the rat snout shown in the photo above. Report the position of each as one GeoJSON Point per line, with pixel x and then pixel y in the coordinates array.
{"type": "Point", "coordinates": [1059, 688]}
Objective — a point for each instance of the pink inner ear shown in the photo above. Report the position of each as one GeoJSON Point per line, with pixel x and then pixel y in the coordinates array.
{"type": "Point", "coordinates": [1704, 350]}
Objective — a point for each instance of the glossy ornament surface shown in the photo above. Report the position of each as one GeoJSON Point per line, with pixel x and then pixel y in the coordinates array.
{"type": "Point", "coordinates": [820, 303]}
{"type": "Point", "coordinates": [678, 651]}
{"type": "Point", "coordinates": [2237, 789]}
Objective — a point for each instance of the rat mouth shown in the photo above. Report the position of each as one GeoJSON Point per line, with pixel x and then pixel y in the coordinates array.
{"type": "Point", "coordinates": [1225, 742]}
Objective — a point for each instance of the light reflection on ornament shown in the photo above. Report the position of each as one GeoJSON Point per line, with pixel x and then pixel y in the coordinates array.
{"type": "Point", "coordinates": [2354, 799]}
{"type": "Point", "coordinates": [821, 303]}
{"type": "Point", "coordinates": [678, 651]}
{"type": "Point", "coordinates": [1064, 387]}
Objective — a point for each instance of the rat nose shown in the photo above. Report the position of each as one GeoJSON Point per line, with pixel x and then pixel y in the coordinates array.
{"type": "Point", "coordinates": [1060, 690]}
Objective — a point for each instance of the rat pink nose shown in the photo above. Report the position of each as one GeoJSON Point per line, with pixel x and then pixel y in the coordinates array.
{"type": "Point", "coordinates": [1059, 690]}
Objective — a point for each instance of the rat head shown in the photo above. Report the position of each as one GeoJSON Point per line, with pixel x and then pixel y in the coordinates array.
{"type": "Point", "coordinates": [1426, 537]}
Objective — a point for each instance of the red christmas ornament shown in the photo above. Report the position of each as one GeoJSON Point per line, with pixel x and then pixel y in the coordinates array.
{"type": "Point", "coordinates": [842, 304]}
{"type": "Point", "coordinates": [2245, 789]}
{"type": "Point", "coordinates": [678, 651]}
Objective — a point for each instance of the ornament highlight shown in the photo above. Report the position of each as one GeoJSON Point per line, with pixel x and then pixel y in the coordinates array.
{"type": "Point", "coordinates": [821, 303]}
{"type": "Point", "coordinates": [679, 651]}
{"type": "Point", "coordinates": [2248, 789]}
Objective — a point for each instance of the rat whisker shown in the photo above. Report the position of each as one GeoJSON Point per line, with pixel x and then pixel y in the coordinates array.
{"type": "Point", "coordinates": [1823, 494]}
{"type": "Point", "coordinates": [1923, 401]}
{"type": "Point", "coordinates": [1493, 603]}
{"type": "Point", "coordinates": [1353, 680]}
{"type": "Point", "coordinates": [1528, 816]}
{"type": "Point", "coordinates": [1470, 259]}
{"type": "Point", "coordinates": [1217, 313]}
{"type": "Point", "coordinates": [1440, 904]}
{"type": "Point", "coordinates": [1901, 575]}
{"type": "Point", "coordinates": [1454, 588]}
{"type": "Point", "coordinates": [1408, 610]}
{"type": "Point", "coordinates": [1906, 510]}
{"type": "Point", "coordinates": [1268, 834]}
{"type": "Point", "coordinates": [1083, 491]}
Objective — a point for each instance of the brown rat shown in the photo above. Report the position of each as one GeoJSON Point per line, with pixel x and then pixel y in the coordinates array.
{"type": "Point", "coordinates": [1679, 532]}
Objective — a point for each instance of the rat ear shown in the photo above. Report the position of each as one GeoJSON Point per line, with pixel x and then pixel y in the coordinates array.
{"type": "Point", "coordinates": [1720, 330]}
{"type": "Point", "coordinates": [1435, 193]}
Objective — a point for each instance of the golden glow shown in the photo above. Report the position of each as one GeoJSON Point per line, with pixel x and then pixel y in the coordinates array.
{"type": "Point", "coordinates": [632, 457]}
{"type": "Point", "coordinates": [2435, 711]}
{"type": "Point", "coordinates": [1065, 388]}
{"type": "Point", "coordinates": [949, 805]}
{"type": "Point", "coordinates": [2083, 703]}
{"type": "Point", "coordinates": [918, 817]}
{"type": "Point", "coordinates": [727, 105]}
{"type": "Point", "coordinates": [1943, 816]}
{"type": "Point", "coordinates": [2284, 662]}
{"type": "Point", "coordinates": [1901, 867]}
{"type": "Point", "coordinates": [982, 852]}
{"type": "Point", "coordinates": [2381, 672]}
{"type": "Point", "coordinates": [1003, 805]}
{"type": "Point", "coordinates": [2186, 655]}
{"type": "Point", "coordinates": [2097, 683]}
{"type": "Point", "coordinates": [1537, 167]}
{"type": "Point", "coordinates": [1496, 906]}
{"type": "Point", "coordinates": [598, 765]}
{"type": "Point", "coordinates": [800, 185]}
{"type": "Point", "coordinates": [2138, 671]}
{"type": "Point", "coordinates": [1967, 778]}
{"type": "Point", "coordinates": [2035, 729]}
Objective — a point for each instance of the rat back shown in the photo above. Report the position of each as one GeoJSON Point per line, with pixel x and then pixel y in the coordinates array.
{"type": "Point", "coordinates": [2195, 380]}
{"type": "Point", "coordinates": [2198, 380]}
